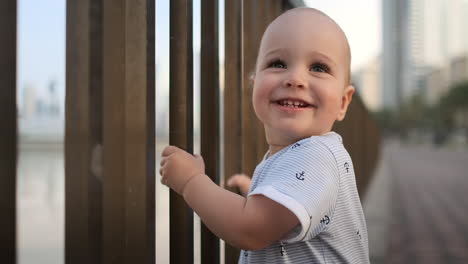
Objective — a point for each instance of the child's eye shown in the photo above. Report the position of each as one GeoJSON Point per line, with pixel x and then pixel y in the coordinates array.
{"type": "Point", "coordinates": [277, 64]}
{"type": "Point", "coordinates": [319, 67]}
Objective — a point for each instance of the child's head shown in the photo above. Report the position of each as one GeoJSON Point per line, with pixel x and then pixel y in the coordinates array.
{"type": "Point", "coordinates": [302, 76]}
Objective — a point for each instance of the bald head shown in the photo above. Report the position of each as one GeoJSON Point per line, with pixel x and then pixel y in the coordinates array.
{"type": "Point", "coordinates": [314, 26]}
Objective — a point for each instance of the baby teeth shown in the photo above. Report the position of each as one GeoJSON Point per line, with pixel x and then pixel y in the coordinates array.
{"type": "Point", "coordinates": [292, 103]}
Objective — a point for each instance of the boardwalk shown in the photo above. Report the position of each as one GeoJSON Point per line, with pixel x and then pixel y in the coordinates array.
{"type": "Point", "coordinates": [429, 205]}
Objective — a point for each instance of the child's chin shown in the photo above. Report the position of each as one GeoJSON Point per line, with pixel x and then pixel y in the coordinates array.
{"type": "Point", "coordinates": [296, 135]}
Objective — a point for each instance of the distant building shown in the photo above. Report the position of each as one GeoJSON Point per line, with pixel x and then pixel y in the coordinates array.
{"type": "Point", "coordinates": [395, 19]}
{"type": "Point", "coordinates": [437, 81]}
{"type": "Point", "coordinates": [419, 37]}
{"type": "Point", "coordinates": [54, 103]}
{"type": "Point", "coordinates": [29, 106]}
{"type": "Point", "coordinates": [369, 85]}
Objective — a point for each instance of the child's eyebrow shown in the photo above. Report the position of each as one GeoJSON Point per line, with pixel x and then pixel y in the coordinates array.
{"type": "Point", "coordinates": [318, 54]}
{"type": "Point", "coordinates": [323, 57]}
{"type": "Point", "coordinates": [274, 51]}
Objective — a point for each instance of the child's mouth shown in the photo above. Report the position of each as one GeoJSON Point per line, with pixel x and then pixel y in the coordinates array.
{"type": "Point", "coordinates": [293, 103]}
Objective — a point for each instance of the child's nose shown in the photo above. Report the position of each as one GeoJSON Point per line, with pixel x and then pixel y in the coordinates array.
{"type": "Point", "coordinates": [294, 80]}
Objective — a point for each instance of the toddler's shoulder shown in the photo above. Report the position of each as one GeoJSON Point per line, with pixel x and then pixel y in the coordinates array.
{"type": "Point", "coordinates": [327, 144]}
{"type": "Point", "coordinates": [312, 150]}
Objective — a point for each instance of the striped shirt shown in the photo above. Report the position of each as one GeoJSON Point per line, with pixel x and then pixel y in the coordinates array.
{"type": "Point", "coordinates": [314, 178]}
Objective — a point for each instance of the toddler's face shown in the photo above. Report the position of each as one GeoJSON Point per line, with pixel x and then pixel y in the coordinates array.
{"type": "Point", "coordinates": [301, 80]}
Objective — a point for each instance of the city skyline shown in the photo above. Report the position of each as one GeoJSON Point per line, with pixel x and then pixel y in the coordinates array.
{"type": "Point", "coordinates": [420, 37]}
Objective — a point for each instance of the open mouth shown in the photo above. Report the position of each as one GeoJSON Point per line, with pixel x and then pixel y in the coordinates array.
{"type": "Point", "coordinates": [293, 103]}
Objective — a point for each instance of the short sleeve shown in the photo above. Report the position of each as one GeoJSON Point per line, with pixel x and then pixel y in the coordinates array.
{"type": "Point", "coordinates": [304, 179]}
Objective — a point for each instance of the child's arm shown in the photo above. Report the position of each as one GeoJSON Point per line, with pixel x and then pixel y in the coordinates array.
{"type": "Point", "coordinates": [240, 181]}
{"type": "Point", "coordinates": [249, 223]}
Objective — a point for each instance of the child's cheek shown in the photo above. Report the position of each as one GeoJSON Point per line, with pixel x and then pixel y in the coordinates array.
{"type": "Point", "coordinates": [260, 99]}
{"type": "Point", "coordinates": [256, 104]}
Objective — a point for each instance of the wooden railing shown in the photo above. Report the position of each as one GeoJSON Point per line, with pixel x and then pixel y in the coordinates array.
{"type": "Point", "coordinates": [8, 138]}
{"type": "Point", "coordinates": [110, 123]}
{"type": "Point", "coordinates": [362, 139]}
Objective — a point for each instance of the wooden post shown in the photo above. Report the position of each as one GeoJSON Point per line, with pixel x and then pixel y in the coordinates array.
{"type": "Point", "coordinates": [245, 142]}
{"type": "Point", "coordinates": [128, 132]}
{"type": "Point", "coordinates": [249, 121]}
{"type": "Point", "coordinates": [232, 101]}
{"type": "Point", "coordinates": [80, 242]}
{"type": "Point", "coordinates": [181, 122]}
{"type": "Point", "coordinates": [109, 138]}
{"type": "Point", "coordinates": [210, 114]}
{"type": "Point", "coordinates": [8, 128]}
{"type": "Point", "coordinates": [254, 144]}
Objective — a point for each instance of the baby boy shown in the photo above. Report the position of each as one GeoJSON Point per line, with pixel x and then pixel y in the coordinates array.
{"type": "Point", "coordinates": [302, 204]}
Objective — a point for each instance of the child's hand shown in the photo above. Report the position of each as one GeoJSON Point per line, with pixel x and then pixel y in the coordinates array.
{"type": "Point", "coordinates": [240, 181]}
{"type": "Point", "coordinates": [178, 167]}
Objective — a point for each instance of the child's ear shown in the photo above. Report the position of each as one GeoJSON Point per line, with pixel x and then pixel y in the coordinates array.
{"type": "Point", "coordinates": [252, 78]}
{"type": "Point", "coordinates": [345, 101]}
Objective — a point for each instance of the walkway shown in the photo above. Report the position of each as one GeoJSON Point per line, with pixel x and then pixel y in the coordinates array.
{"type": "Point", "coordinates": [429, 205]}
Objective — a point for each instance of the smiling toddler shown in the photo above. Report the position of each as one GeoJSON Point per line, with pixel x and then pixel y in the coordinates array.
{"type": "Point", "coordinates": [302, 204]}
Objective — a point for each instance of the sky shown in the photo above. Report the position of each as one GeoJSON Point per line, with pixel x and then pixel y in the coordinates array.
{"type": "Point", "coordinates": [41, 44]}
{"type": "Point", "coordinates": [361, 20]}
{"type": "Point", "coordinates": [41, 36]}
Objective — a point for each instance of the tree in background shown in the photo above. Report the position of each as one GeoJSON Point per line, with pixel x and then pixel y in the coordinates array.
{"type": "Point", "coordinates": [441, 120]}
{"type": "Point", "coordinates": [453, 109]}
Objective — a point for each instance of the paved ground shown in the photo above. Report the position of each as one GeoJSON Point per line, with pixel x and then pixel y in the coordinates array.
{"type": "Point", "coordinates": [377, 210]}
{"type": "Point", "coordinates": [429, 205]}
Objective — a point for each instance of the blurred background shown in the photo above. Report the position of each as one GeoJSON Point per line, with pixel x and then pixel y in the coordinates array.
{"type": "Point", "coordinates": [410, 68]}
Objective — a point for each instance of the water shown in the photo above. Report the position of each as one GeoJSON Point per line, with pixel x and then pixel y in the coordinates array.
{"type": "Point", "coordinates": [40, 204]}
{"type": "Point", "coordinates": [41, 207]}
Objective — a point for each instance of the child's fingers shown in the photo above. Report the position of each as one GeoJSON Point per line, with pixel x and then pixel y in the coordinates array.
{"type": "Point", "coordinates": [230, 182]}
{"type": "Point", "coordinates": [199, 159]}
{"type": "Point", "coordinates": [234, 180]}
{"type": "Point", "coordinates": [237, 180]}
{"type": "Point", "coordinates": [169, 150]}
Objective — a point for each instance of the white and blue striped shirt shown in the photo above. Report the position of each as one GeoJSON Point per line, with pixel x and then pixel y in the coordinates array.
{"type": "Point", "coordinates": [314, 178]}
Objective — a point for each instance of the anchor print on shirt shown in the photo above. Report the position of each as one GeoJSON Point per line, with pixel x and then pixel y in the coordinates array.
{"type": "Point", "coordinates": [281, 249]}
{"type": "Point", "coordinates": [325, 220]}
{"type": "Point", "coordinates": [346, 166]}
{"type": "Point", "coordinates": [300, 175]}
{"type": "Point", "coordinates": [295, 145]}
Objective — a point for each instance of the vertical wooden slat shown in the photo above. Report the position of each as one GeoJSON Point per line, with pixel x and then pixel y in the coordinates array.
{"type": "Point", "coordinates": [249, 121]}
{"type": "Point", "coordinates": [181, 122]}
{"type": "Point", "coordinates": [362, 144]}
{"type": "Point", "coordinates": [258, 29]}
{"type": "Point", "coordinates": [247, 19]}
{"type": "Point", "coordinates": [114, 80]}
{"type": "Point", "coordinates": [128, 131]}
{"type": "Point", "coordinates": [268, 11]}
{"type": "Point", "coordinates": [245, 142]}
{"type": "Point", "coordinates": [255, 18]}
{"type": "Point", "coordinates": [8, 117]}
{"type": "Point", "coordinates": [78, 236]}
{"type": "Point", "coordinates": [232, 101]}
{"type": "Point", "coordinates": [210, 114]}
{"type": "Point", "coordinates": [95, 124]}
{"type": "Point", "coordinates": [151, 131]}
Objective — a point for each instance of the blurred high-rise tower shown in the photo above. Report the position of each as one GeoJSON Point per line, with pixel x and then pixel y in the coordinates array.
{"type": "Point", "coordinates": [419, 38]}
{"type": "Point", "coordinates": [395, 17]}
